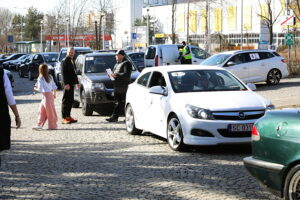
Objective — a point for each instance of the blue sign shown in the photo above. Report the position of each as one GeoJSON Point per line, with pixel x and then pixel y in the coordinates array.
{"type": "Point", "coordinates": [10, 38]}
{"type": "Point", "coordinates": [133, 36]}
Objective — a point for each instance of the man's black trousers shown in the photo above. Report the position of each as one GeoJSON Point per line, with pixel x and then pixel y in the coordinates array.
{"type": "Point", "coordinates": [67, 102]}
{"type": "Point", "coordinates": [119, 104]}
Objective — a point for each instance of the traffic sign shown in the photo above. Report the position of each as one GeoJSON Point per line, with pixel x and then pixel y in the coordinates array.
{"type": "Point", "coordinates": [287, 20]}
{"type": "Point", "coordinates": [289, 39]}
{"type": "Point", "coordinates": [133, 36]}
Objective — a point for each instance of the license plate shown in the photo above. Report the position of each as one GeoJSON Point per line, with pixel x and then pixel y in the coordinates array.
{"type": "Point", "coordinates": [240, 127]}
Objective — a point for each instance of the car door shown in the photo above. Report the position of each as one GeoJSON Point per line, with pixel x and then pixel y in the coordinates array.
{"type": "Point", "coordinates": [156, 105]}
{"type": "Point", "coordinates": [238, 64]}
{"type": "Point", "coordinates": [150, 56]}
{"type": "Point", "coordinates": [198, 55]}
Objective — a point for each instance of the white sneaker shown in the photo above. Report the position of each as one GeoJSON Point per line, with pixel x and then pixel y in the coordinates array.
{"type": "Point", "coordinates": [37, 128]}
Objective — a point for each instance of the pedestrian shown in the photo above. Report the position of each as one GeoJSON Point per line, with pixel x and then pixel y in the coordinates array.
{"type": "Point", "coordinates": [6, 99]}
{"type": "Point", "coordinates": [69, 80]}
{"type": "Point", "coordinates": [121, 75]}
{"type": "Point", "coordinates": [46, 86]}
{"type": "Point", "coordinates": [186, 57]}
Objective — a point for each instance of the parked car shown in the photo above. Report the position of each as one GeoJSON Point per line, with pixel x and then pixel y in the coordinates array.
{"type": "Point", "coordinates": [96, 91]}
{"type": "Point", "coordinates": [23, 66]}
{"type": "Point", "coordinates": [16, 64]}
{"type": "Point", "coordinates": [62, 55]}
{"type": "Point", "coordinates": [3, 56]}
{"type": "Point", "coordinates": [275, 160]}
{"type": "Point", "coordinates": [168, 54]}
{"type": "Point", "coordinates": [10, 77]}
{"type": "Point", "coordinates": [11, 57]}
{"type": "Point", "coordinates": [251, 65]}
{"type": "Point", "coordinates": [193, 105]}
{"type": "Point", "coordinates": [138, 59]}
{"type": "Point", "coordinates": [11, 64]}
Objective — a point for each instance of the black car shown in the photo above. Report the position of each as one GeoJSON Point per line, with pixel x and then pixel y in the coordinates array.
{"type": "Point", "coordinates": [23, 67]}
{"type": "Point", "coordinates": [34, 62]}
{"type": "Point", "coordinates": [11, 64]}
{"type": "Point", "coordinates": [138, 59]}
{"type": "Point", "coordinates": [96, 91]}
{"type": "Point", "coordinates": [3, 56]}
{"type": "Point", "coordinates": [11, 57]}
{"type": "Point", "coordinates": [62, 55]}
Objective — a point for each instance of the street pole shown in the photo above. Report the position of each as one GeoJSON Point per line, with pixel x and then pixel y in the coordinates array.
{"type": "Point", "coordinates": [242, 27]}
{"type": "Point", "coordinates": [208, 25]}
{"type": "Point", "coordinates": [103, 37]}
{"type": "Point", "coordinates": [96, 34]}
{"type": "Point", "coordinates": [288, 29]}
{"type": "Point", "coordinates": [188, 23]}
{"type": "Point", "coordinates": [21, 27]}
{"type": "Point", "coordinates": [41, 45]}
{"type": "Point", "coordinates": [148, 32]}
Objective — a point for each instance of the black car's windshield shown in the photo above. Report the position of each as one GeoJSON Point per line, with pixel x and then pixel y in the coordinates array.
{"type": "Point", "coordinates": [204, 80]}
{"type": "Point", "coordinates": [50, 57]}
{"type": "Point", "coordinates": [99, 64]}
{"type": "Point", "coordinates": [215, 59]}
{"type": "Point", "coordinates": [77, 53]}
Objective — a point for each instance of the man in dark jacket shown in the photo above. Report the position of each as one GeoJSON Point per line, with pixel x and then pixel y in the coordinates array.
{"type": "Point", "coordinates": [121, 74]}
{"type": "Point", "coordinates": [69, 79]}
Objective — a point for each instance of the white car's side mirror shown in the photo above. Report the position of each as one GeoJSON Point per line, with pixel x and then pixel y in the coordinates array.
{"type": "Point", "coordinates": [251, 86]}
{"type": "Point", "coordinates": [230, 63]}
{"type": "Point", "coordinates": [158, 90]}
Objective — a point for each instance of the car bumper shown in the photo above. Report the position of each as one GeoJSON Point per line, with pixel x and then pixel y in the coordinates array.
{"type": "Point", "coordinates": [267, 173]}
{"type": "Point", "coordinates": [100, 97]}
{"type": "Point", "coordinates": [212, 132]}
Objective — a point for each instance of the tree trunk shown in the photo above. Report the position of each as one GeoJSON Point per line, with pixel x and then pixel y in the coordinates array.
{"type": "Point", "coordinates": [173, 21]}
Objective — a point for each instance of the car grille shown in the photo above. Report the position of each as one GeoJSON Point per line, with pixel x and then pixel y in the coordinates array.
{"type": "Point", "coordinates": [109, 85]}
{"type": "Point", "coordinates": [239, 134]}
{"type": "Point", "coordinates": [238, 115]}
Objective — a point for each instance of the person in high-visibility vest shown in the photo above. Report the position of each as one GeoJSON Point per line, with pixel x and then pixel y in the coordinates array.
{"type": "Point", "coordinates": [186, 54]}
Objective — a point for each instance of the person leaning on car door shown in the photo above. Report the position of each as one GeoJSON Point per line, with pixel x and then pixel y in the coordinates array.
{"type": "Point", "coordinates": [69, 80]}
{"type": "Point", "coordinates": [186, 57]}
{"type": "Point", "coordinates": [121, 74]}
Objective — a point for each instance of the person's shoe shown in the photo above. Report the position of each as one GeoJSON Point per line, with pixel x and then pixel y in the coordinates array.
{"type": "Point", "coordinates": [66, 121]}
{"type": "Point", "coordinates": [37, 128]}
{"type": "Point", "coordinates": [112, 119]}
{"type": "Point", "coordinates": [72, 119]}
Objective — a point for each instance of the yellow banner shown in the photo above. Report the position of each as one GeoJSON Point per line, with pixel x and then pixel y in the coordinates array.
{"type": "Point", "coordinates": [159, 35]}
{"type": "Point", "coordinates": [193, 21]}
{"type": "Point", "coordinates": [247, 16]}
{"type": "Point", "coordinates": [181, 22]}
{"type": "Point", "coordinates": [264, 10]}
{"type": "Point", "coordinates": [203, 20]}
{"type": "Point", "coordinates": [218, 19]}
{"type": "Point", "coordinates": [231, 18]}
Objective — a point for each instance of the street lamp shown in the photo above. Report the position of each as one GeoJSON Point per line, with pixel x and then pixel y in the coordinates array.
{"type": "Point", "coordinates": [41, 46]}
{"type": "Point", "coordinates": [101, 31]}
{"type": "Point", "coordinates": [148, 31]}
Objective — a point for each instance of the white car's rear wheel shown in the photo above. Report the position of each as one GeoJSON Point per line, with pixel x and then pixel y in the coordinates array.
{"type": "Point", "coordinates": [130, 122]}
{"type": "Point", "coordinates": [174, 134]}
{"type": "Point", "coordinates": [273, 77]}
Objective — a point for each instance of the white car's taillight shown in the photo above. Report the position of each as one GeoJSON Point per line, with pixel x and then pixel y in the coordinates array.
{"type": "Point", "coordinates": [283, 60]}
{"type": "Point", "coordinates": [255, 134]}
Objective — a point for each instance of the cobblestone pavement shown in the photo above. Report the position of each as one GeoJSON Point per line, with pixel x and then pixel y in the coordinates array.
{"type": "Point", "coordinates": [97, 160]}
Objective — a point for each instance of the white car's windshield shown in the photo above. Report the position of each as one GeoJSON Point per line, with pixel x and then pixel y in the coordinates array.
{"type": "Point", "coordinates": [204, 80]}
{"type": "Point", "coordinates": [215, 59]}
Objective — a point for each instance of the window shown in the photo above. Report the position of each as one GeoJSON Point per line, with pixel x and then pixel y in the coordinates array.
{"type": "Point", "coordinates": [199, 53]}
{"type": "Point", "coordinates": [157, 79]}
{"type": "Point", "coordinates": [239, 59]}
{"type": "Point", "coordinates": [99, 64]}
{"type": "Point", "coordinates": [265, 55]}
{"type": "Point", "coordinates": [143, 80]}
{"type": "Point", "coordinates": [150, 53]}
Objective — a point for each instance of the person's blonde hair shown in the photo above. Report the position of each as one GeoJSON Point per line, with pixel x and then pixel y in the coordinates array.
{"type": "Point", "coordinates": [44, 72]}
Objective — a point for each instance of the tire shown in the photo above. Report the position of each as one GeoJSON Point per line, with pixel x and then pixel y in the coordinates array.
{"type": "Point", "coordinates": [273, 77]}
{"type": "Point", "coordinates": [174, 134]}
{"type": "Point", "coordinates": [130, 122]}
{"type": "Point", "coordinates": [292, 184]}
{"type": "Point", "coordinates": [75, 104]}
{"type": "Point", "coordinates": [30, 76]}
{"type": "Point", "coordinates": [86, 108]}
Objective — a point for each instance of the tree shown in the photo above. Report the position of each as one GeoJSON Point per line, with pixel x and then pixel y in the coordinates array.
{"type": "Point", "coordinates": [17, 25]}
{"type": "Point", "coordinates": [173, 21]}
{"type": "Point", "coordinates": [32, 26]}
{"type": "Point", "coordinates": [5, 23]}
{"type": "Point", "coordinates": [268, 16]}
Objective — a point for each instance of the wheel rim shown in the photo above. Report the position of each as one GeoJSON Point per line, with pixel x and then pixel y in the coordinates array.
{"type": "Point", "coordinates": [294, 186]}
{"type": "Point", "coordinates": [174, 133]}
{"type": "Point", "coordinates": [129, 119]}
{"type": "Point", "coordinates": [83, 100]}
{"type": "Point", "coordinates": [274, 76]}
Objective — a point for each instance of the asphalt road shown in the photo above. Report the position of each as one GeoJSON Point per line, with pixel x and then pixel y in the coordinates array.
{"type": "Point", "coordinates": [94, 159]}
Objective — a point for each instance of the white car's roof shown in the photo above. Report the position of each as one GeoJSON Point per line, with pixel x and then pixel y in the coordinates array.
{"type": "Point", "coordinates": [245, 51]}
{"type": "Point", "coordinates": [169, 68]}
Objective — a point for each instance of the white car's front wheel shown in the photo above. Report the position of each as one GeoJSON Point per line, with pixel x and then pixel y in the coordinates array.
{"type": "Point", "coordinates": [130, 121]}
{"type": "Point", "coordinates": [174, 134]}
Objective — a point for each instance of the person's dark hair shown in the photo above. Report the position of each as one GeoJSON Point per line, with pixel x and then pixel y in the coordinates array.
{"type": "Point", "coordinates": [121, 52]}
{"type": "Point", "coordinates": [183, 42]}
{"type": "Point", "coordinates": [44, 72]}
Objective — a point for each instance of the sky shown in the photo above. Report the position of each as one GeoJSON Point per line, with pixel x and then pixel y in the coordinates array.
{"type": "Point", "coordinates": [21, 6]}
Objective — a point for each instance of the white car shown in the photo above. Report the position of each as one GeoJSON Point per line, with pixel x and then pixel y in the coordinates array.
{"type": "Point", "coordinates": [251, 65]}
{"type": "Point", "coordinates": [193, 105]}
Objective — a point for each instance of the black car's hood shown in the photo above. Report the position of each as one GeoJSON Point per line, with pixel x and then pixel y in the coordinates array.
{"type": "Point", "coordinates": [103, 77]}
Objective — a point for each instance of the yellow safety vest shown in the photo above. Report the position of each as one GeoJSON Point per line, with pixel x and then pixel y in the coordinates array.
{"type": "Point", "coordinates": [187, 56]}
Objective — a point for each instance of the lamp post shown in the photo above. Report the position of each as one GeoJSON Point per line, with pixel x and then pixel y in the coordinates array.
{"type": "Point", "coordinates": [96, 34]}
{"type": "Point", "coordinates": [242, 23]}
{"type": "Point", "coordinates": [41, 45]}
{"type": "Point", "coordinates": [101, 31]}
{"type": "Point", "coordinates": [148, 31]}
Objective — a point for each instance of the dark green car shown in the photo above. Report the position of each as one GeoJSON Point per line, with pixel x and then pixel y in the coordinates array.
{"type": "Point", "coordinates": [275, 159]}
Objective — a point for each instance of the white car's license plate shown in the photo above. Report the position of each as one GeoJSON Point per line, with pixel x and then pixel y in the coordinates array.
{"type": "Point", "coordinates": [240, 127]}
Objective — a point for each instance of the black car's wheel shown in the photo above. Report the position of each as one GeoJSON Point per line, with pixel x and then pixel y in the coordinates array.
{"type": "Point", "coordinates": [75, 104]}
{"type": "Point", "coordinates": [292, 184]}
{"type": "Point", "coordinates": [30, 77]}
{"type": "Point", "coordinates": [87, 109]}
{"type": "Point", "coordinates": [273, 77]}
{"type": "Point", "coordinates": [130, 121]}
{"type": "Point", "coordinates": [174, 134]}
{"type": "Point", "coordinates": [21, 75]}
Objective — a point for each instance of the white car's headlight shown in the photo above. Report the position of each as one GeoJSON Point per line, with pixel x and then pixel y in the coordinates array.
{"type": "Point", "coordinates": [200, 113]}
{"type": "Point", "coordinates": [270, 107]}
{"type": "Point", "coordinates": [100, 86]}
